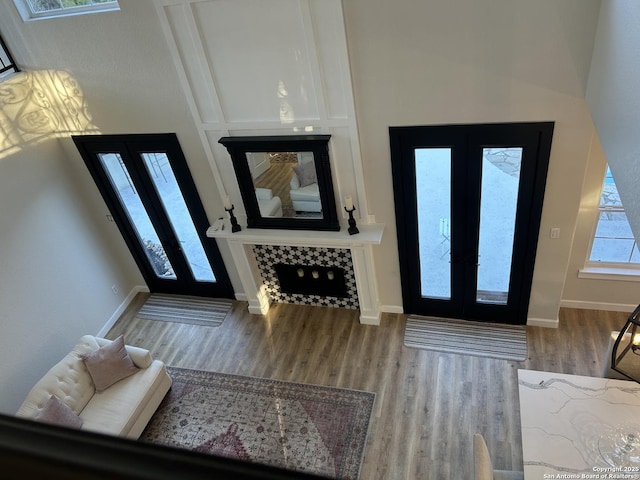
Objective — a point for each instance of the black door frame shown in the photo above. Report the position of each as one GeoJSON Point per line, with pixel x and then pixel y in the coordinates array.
{"type": "Point", "coordinates": [466, 142]}
{"type": "Point", "coordinates": [130, 147]}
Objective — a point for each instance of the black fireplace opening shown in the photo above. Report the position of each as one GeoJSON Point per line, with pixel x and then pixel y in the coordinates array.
{"type": "Point", "coordinates": [312, 280]}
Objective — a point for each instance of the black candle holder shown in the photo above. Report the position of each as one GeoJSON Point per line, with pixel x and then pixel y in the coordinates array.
{"type": "Point", "coordinates": [352, 222]}
{"type": "Point", "coordinates": [235, 227]}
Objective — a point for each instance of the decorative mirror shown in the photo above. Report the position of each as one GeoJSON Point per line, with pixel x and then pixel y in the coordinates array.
{"type": "Point", "coordinates": [285, 181]}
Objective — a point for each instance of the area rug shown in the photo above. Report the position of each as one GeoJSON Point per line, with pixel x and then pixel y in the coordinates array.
{"type": "Point", "coordinates": [185, 309]}
{"type": "Point", "coordinates": [308, 428]}
{"type": "Point", "coordinates": [495, 340]}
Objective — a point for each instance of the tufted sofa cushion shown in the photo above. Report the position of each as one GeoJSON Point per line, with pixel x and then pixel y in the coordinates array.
{"type": "Point", "coordinates": [117, 409]}
{"type": "Point", "coordinates": [69, 380]}
{"type": "Point", "coordinates": [123, 409]}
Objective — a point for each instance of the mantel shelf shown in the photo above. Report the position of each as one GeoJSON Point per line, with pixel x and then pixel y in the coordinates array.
{"type": "Point", "coordinates": [370, 234]}
{"type": "Point", "coordinates": [361, 247]}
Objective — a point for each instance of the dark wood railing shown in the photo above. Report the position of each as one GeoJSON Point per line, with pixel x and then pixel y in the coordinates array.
{"type": "Point", "coordinates": [7, 65]}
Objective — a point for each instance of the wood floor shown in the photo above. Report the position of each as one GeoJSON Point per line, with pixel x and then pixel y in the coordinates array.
{"type": "Point", "coordinates": [428, 405]}
{"type": "Point", "coordinates": [277, 179]}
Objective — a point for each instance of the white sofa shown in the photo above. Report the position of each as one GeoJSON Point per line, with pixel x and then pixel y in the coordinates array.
{"type": "Point", "coordinates": [304, 191]}
{"type": "Point", "coordinates": [269, 205]}
{"type": "Point", "coordinates": [304, 199]}
{"type": "Point", "coordinates": [122, 409]}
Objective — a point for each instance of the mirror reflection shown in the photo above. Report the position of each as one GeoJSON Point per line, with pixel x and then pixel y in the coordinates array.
{"type": "Point", "coordinates": [286, 184]}
{"type": "Point", "coordinates": [285, 181]}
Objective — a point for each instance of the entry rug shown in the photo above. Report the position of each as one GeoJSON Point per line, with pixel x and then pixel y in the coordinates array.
{"type": "Point", "coordinates": [309, 428]}
{"type": "Point", "coordinates": [495, 340]}
{"type": "Point", "coordinates": [185, 309]}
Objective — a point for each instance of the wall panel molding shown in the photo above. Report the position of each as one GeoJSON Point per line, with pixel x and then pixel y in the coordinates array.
{"type": "Point", "coordinates": [244, 74]}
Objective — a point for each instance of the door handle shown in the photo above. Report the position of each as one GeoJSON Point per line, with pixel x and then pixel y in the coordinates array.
{"type": "Point", "coordinates": [472, 260]}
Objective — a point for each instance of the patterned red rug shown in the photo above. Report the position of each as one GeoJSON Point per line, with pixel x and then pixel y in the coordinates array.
{"type": "Point", "coordinates": [310, 428]}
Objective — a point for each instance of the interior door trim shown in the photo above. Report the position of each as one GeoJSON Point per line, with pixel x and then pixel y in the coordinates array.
{"type": "Point", "coordinates": [403, 143]}
{"type": "Point", "coordinates": [129, 147]}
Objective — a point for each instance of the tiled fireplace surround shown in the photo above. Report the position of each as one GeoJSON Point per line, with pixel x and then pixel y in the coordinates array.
{"type": "Point", "coordinates": [256, 251]}
{"type": "Point", "coordinates": [268, 256]}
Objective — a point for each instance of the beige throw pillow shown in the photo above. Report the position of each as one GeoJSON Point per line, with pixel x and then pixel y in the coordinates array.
{"type": "Point", "coordinates": [109, 364]}
{"type": "Point", "coordinates": [57, 413]}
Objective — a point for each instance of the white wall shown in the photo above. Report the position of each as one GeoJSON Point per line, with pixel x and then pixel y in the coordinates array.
{"type": "Point", "coordinates": [57, 268]}
{"type": "Point", "coordinates": [462, 61]}
{"type": "Point", "coordinates": [123, 65]}
{"type": "Point", "coordinates": [59, 254]}
{"type": "Point", "coordinates": [614, 100]}
{"type": "Point", "coordinates": [242, 76]}
{"type": "Point", "coordinates": [614, 103]}
{"type": "Point", "coordinates": [412, 63]}
{"type": "Point", "coordinates": [598, 293]}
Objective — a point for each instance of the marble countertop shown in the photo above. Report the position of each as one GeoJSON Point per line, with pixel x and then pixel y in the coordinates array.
{"type": "Point", "coordinates": [563, 419]}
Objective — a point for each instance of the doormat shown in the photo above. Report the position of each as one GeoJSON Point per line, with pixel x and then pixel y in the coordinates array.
{"type": "Point", "coordinates": [310, 428]}
{"type": "Point", "coordinates": [495, 340]}
{"type": "Point", "coordinates": [185, 309]}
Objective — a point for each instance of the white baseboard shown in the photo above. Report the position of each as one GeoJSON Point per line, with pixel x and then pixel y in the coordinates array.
{"type": "Point", "coordinates": [383, 308]}
{"type": "Point", "coordinates": [543, 322]}
{"type": "Point", "coordinates": [610, 307]}
{"type": "Point", "coordinates": [123, 306]}
{"type": "Point", "coordinates": [392, 309]}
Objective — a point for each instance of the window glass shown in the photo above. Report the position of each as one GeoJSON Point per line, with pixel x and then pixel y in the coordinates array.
{"type": "Point", "coordinates": [433, 196]}
{"type": "Point", "coordinates": [34, 9]}
{"type": "Point", "coordinates": [613, 241]}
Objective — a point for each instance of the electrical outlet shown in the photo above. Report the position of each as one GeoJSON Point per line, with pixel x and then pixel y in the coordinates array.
{"type": "Point", "coordinates": [554, 233]}
{"type": "Point", "coordinates": [115, 289]}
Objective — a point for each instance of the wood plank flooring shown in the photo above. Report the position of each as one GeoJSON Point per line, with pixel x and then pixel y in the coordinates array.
{"type": "Point", "coordinates": [428, 404]}
{"type": "Point", "coordinates": [277, 178]}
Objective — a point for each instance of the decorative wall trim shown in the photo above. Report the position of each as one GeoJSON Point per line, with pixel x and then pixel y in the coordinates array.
{"type": "Point", "coordinates": [360, 246]}
{"type": "Point", "coordinates": [220, 93]}
{"type": "Point", "coordinates": [615, 274]}
{"type": "Point", "coordinates": [242, 297]}
{"type": "Point", "coordinates": [268, 255]}
{"type": "Point", "coordinates": [121, 308]}
{"type": "Point", "coordinates": [543, 322]}
{"type": "Point", "coordinates": [397, 309]}
{"type": "Point", "coordinates": [610, 307]}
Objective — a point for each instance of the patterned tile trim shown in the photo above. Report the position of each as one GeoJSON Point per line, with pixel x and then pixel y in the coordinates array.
{"type": "Point", "coordinates": [268, 255]}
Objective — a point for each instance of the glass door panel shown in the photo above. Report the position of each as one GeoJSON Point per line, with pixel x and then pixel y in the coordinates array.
{"type": "Point", "coordinates": [145, 182]}
{"type": "Point", "coordinates": [166, 185]}
{"type": "Point", "coordinates": [498, 206]}
{"type": "Point", "coordinates": [120, 180]}
{"type": "Point", "coordinates": [433, 196]}
{"type": "Point", "coordinates": [468, 203]}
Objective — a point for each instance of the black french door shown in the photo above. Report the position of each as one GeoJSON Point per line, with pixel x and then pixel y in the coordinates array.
{"type": "Point", "coordinates": [146, 184]}
{"type": "Point", "coordinates": [468, 203]}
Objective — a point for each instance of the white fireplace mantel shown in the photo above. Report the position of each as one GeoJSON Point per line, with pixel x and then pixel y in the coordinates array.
{"type": "Point", "coordinates": [360, 245]}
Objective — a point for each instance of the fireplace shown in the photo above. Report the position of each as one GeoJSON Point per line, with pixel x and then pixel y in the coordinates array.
{"type": "Point", "coordinates": [306, 275]}
{"type": "Point", "coordinates": [256, 253]}
{"type": "Point", "coordinates": [311, 280]}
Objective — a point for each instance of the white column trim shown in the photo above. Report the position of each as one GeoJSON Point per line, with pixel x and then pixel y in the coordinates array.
{"type": "Point", "coordinates": [360, 246]}
{"type": "Point", "coordinates": [254, 289]}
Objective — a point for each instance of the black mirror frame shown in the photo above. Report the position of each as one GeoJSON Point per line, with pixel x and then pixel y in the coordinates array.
{"type": "Point", "coordinates": [238, 147]}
